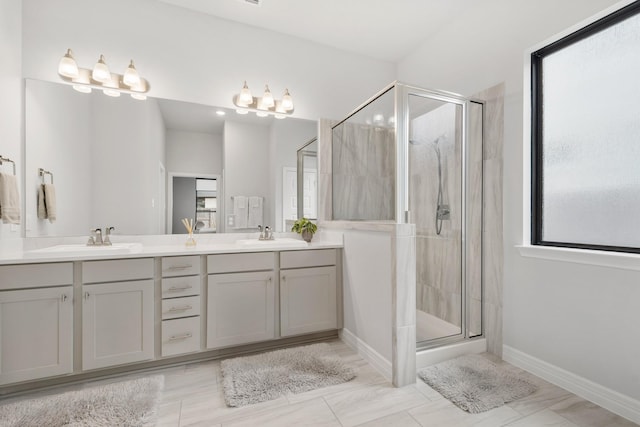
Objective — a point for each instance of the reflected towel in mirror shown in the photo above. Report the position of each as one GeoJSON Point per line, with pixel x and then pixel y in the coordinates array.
{"type": "Point", "coordinates": [47, 202]}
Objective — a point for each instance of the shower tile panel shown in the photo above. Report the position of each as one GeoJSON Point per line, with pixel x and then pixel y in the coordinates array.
{"type": "Point", "coordinates": [492, 241]}
{"type": "Point", "coordinates": [405, 271]}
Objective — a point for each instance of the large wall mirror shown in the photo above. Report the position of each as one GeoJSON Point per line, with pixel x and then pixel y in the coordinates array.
{"type": "Point", "coordinates": [119, 161]}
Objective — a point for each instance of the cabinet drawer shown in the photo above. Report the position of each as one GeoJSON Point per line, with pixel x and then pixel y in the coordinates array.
{"type": "Point", "coordinates": [307, 258]}
{"type": "Point", "coordinates": [36, 275]}
{"type": "Point", "coordinates": [180, 286]}
{"type": "Point", "coordinates": [118, 269]}
{"type": "Point", "coordinates": [231, 263]}
{"type": "Point", "coordinates": [180, 336]}
{"type": "Point", "coordinates": [180, 307]}
{"type": "Point", "coordinates": [180, 265]}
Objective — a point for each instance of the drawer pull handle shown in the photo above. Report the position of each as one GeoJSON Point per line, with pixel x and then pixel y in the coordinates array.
{"type": "Point", "coordinates": [183, 308]}
{"type": "Point", "coordinates": [180, 267]}
{"type": "Point", "coordinates": [64, 297]}
{"type": "Point", "coordinates": [180, 337]}
{"type": "Point", "coordinates": [179, 288]}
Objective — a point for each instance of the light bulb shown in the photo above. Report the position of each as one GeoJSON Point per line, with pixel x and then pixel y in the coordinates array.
{"type": "Point", "coordinates": [82, 89]}
{"type": "Point", "coordinates": [220, 113]}
{"type": "Point", "coordinates": [139, 96]}
{"type": "Point", "coordinates": [111, 92]}
{"type": "Point", "coordinates": [131, 77]}
{"type": "Point", "coordinates": [267, 98]}
{"type": "Point", "coordinates": [287, 101]}
{"type": "Point", "coordinates": [242, 111]}
{"type": "Point", "coordinates": [101, 72]}
{"type": "Point", "coordinates": [68, 66]}
{"type": "Point", "coordinates": [245, 97]}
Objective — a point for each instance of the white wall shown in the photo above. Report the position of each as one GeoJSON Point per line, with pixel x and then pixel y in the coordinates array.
{"type": "Point", "coordinates": [120, 152]}
{"type": "Point", "coordinates": [194, 152]}
{"type": "Point", "coordinates": [196, 57]}
{"type": "Point", "coordinates": [367, 289]}
{"type": "Point", "coordinates": [286, 137]}
{"type": "Point", "coordinates": [577, 317]}
{"type": "Point", "coordinates": [246, 166]}
{"type": "Point", "coordinates": [11, 99]}
{"type": "Point", "coordinates": [59, 127]}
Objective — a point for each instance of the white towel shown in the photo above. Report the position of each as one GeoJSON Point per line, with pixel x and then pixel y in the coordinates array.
{"type": "Point", "coordinates": [240, 205]}
{"type": "Point", "coordinates": [50, 201]}
{"type": "Point", "coordinates": [255, 212]}
{"type": "Point", "coordinates": [47, 202]}
{"type": "Point", "coordinates": [9, 199]}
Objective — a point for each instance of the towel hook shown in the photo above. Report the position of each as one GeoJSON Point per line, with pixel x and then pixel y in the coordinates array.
{"type": "Point", "coordinates": [42, 173]}
{"type": "Point", "coordinates": [6, 159]}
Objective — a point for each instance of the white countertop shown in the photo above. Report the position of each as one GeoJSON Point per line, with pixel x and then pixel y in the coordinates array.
{"type": "Point", "coordinates": [158, 248]}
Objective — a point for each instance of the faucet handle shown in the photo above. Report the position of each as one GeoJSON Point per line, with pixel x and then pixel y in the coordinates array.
{"type": "Point", "coordinates": [92, 238]}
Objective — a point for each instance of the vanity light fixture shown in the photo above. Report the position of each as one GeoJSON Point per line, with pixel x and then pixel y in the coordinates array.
{"type": "Point", "coordinates": [220, 113]}
{"type": "Point", "coordinates": [100, 77]}
{"type": "Point", "coordinates": [265, 105]}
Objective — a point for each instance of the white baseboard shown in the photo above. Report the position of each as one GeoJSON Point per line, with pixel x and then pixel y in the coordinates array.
{"type": "Point", "coordinates": [615, 402]}
{"type": "Point", "coordinates": [376, 360]}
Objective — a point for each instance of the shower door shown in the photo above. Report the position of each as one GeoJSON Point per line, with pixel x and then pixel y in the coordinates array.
{"type": "Point", "coordinates": [440, 203]}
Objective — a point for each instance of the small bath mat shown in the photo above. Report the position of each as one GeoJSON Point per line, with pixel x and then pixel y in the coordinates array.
{"type": "Point", "coordinates": [128, 403]}
{"type": "Point", "coordinates": [476, 384]}
{"type": "Point", "coordinates": [267, 376]}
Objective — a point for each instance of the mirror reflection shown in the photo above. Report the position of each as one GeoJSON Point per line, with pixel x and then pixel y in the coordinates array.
{"type": "Point", "coordinates": [119, 162]}
{"type": "Point", "coordinates": [308, 180]}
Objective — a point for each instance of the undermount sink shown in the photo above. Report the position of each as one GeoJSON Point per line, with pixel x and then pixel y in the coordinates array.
{"type": "Point", "coordinates": [276, 243]}
{"type": "Point", "coordinates": [84, 250]}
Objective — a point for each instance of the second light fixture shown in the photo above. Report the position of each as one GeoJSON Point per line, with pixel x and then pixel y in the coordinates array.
{"type": "Point", "coordinates": [264, 105]}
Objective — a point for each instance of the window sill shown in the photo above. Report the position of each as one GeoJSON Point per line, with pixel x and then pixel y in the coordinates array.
{"type": "Point", "coordinates": [624, 261]}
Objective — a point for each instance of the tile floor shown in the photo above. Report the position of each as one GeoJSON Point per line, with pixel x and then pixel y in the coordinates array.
{"type": "Point", "coordinates": [193, 397]}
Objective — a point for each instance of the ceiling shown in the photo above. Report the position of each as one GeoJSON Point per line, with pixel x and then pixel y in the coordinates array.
{"type": "Point", "coordinates": [186, 116]}
{"type": "Point", "coordinates": [382, 29]}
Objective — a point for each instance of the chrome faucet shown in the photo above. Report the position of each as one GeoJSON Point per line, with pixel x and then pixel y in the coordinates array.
{"type": "Point", "coordinates": [98, 237]}
{"type": "Point", "coordinates": [107, 233]}
{"type": "Point", "coordinates": [268, 234]}
{"type": "Point", "coordinates": [261, 233]}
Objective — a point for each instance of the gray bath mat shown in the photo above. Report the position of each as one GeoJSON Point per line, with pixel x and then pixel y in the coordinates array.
{"type": "Point", "coordinates": [476, 384]}
{"type": "Point", "coordinates": [267, 376]}
{"type": "Point", "coordinates": [128, 403]}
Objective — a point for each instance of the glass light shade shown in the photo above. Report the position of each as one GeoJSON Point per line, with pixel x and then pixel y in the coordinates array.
{"type": "Point", "coordinates": [242, 111]}
{"type": "Point", "coordinates": [82, 89]}
{"type": "Point", "coordinates": [267, 98]}
{"type": "Point", "coordinates": [261, 114]}
{"type": "Point", "coordinates": [245, 97]}
{"type": "Point", "coordinates": [287, 101]}
{"type": "Point", "coordinates": [100, 71]}
{"type": "Point", "coordinates": [280, 116]}
{"type": "Point", "coordinates": [378, 119]}
{"type": "Point", "coordinates": [111, 92]}
{"type": "Point", "coordinates": [68, 66]}
{"type": "Point", "coordinates": [139, 96]}
{"type": "Point", "coordinates": [131, 77]}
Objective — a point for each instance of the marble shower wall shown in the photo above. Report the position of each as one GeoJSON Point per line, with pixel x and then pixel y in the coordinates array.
{"type": "Point", "coordinates": [363, 172]}
{"type": "Point", "coordinates": [438, 257]}
{"type": "Point", "coordinates": [492, 236]}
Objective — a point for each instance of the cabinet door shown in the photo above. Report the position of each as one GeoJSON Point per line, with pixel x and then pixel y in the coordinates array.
{"type": "Point", "coordinates": [36, 333]}
{"type": "Point", "coordinates": [308, 300]}
{"type": "Point", "coordinates": [240, 308]}
{"type": "Point", "coordinates": [117, 323]}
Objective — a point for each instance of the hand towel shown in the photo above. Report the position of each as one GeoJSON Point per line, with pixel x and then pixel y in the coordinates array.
{"type": "Point", "coordinates": [50, 201]}
{"type": "Point", "coordinates": [42, 208]}
{"type": "Point", "coordinates": [240, 205]}
{"type": "Point", "coordinates": [9, 199]}
{"type": "Point", "coordinates": [255, 212]}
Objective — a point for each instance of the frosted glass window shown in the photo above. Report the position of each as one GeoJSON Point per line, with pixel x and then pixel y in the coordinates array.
{"type": "Point", "coordinates": [586, 181]}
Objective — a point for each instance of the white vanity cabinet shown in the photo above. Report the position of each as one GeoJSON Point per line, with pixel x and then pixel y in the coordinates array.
{"type": "Point", "coordinates": [117, 312]}
{"type": "Point", "coordinates": [240, 300]}
{"type": "Point", "coordinates": [308, 292]}
{"type": "Point", "coordinates": [180, 305]}
{"type": "Point", "coordinates": [36, 321]}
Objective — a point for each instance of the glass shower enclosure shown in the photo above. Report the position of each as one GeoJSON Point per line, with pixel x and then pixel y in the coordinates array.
{"type": "Point", "coordinates": [412, 155]}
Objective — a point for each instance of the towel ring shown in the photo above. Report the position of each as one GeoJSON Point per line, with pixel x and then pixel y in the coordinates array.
{"type": "Point", "coordinates": [6, 159]}
{"type": "Point", "coordinates": [42, 173]}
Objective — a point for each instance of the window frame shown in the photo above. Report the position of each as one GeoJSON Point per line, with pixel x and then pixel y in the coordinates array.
{"type": "Point", "coordinates": [536, 90]}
